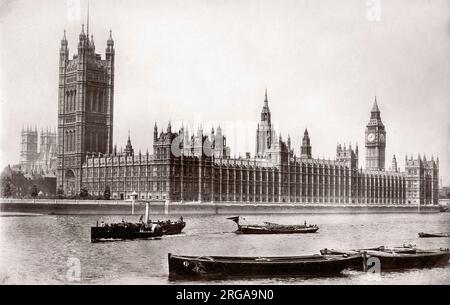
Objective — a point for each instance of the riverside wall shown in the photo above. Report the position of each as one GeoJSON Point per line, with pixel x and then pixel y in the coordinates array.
{"type": "Point", "coordinates": [127, 207]}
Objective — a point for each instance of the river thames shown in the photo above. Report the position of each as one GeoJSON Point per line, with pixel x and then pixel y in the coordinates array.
{"type": "Point", "coordinates": [42, 249]}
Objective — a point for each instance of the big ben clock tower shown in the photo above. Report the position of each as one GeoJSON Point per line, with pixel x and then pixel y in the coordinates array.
{"type": "Point", "coordinates": [375, 140]}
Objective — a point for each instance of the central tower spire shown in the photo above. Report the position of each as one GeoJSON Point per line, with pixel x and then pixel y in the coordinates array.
{"type": "Point", "coordinates": [264, 133]}
{"type": "Point", "coordinates": [87, 21]}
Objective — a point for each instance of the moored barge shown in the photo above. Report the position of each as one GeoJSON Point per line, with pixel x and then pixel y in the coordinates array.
{"type": "Point", "coordinates": [223, 266]}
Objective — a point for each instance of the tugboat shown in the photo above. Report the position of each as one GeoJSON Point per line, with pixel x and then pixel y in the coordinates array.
{"type": "Point", "coordinates": [273, 228]}
{"type": "Point", "coordinates": [144, 229]}
{"type": "Point", "coordinates": [125, 230]}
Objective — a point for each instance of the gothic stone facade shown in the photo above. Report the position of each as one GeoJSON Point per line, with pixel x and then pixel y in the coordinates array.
{"type": "Point", "coordinates": [32, 160]}
{"type": "Point", "coordinates": [198, 167]}
{"type": "Point", "coordinates": [85, 108]}
{"type": "Point", "coordinates": [201, 170]}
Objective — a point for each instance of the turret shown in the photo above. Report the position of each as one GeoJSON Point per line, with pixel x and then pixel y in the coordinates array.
{"type": "Point", "coordinates": [82, 38]}
{"type": "Point", "coordinates": [394, 167]}
{"type": "Point", "coordinates": [306, 146]}
{"type": "Point", "coordinates": [64, 50]}
{"type": "Point", "coordinates": [129, 151]}
{"type": "Point", "coordinates": [265, 113]}
{"type": "Point", "coordinates": [155, 132]}
{"type": "Point", "coordinates": [110, 47]}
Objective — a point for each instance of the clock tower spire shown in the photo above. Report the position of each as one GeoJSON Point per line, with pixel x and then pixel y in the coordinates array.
{"type": "Point", "coordinates": [375, 140]}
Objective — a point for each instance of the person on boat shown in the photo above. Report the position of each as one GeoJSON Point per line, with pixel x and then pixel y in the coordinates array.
{"type": "Point", "coordinates": [305, 223]}
{"type": "Point", "coordinates": [102, 224]}
{"type": "Point", "coordinates": [181, 218]}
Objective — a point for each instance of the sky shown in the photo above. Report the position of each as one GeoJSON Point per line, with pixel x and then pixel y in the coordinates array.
{"type": "Point", "coordinates": [208, 63]}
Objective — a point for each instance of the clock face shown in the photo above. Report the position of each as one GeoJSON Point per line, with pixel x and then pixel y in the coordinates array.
{"type": "Point", "coordinates": [371, 137]}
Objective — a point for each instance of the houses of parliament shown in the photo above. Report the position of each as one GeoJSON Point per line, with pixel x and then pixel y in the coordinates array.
{"type": "Point", "coordinates": [198, 167]}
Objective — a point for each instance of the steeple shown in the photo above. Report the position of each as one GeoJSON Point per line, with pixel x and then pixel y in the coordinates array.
{"type": "Point", "coordinates": [155, 133]}
{"type": "Point", "coordinates": [306, 146]}
{"type": "Point", "coordinates": [87, 20]}
{"type": "Point", "coordinates": [64, 39]}
{"type": "Point", "coordinates": [266, 102]}
{"type": "Point", "coordinates": [110, 47]}
{"type": "Point", "coordinates": [129, 151]}
{"type": "Point", "coordinates": [110, 41]}
{"type": "Point", "coordinates": [82, 34]}
{"type": "Point", "coordinates": [265, 113]}
{"type": "Point", "coordinates": [375, 106]}
{"type": "Point", "coordinates": [394, 167]}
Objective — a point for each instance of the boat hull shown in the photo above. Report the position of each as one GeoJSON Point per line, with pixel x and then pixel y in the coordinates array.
{"type": "Point", "coordinates": [431, 235]}
{"type": "Point", "coordinates": [397, 259]}
{"type": "Point", "coordinates": [172, 228]}
{"type": "Point", "coordinates": [99, 234]}
{"type": "Point", "coordinates": [267, 230]}
{"type": "Point", "coordinates": [390, 261]}
{"type": "Point", "coordinates": [180, 266]}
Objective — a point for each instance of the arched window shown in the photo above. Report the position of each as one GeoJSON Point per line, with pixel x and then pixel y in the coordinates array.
{"type": "Point", "coordinates": [74, 100]}
{"type": "Point", "coordinates": [71, 100]}
{"type": "Point", "coordinates": [100, 101]}
{"type": "Point", "coordinates": [105, 101]}
{"type": "Point", "coordinates": [87, 101]}
{"type": "Point", "coordinates": [88, 141]}
{"type": "Point", "coordinates": [65, 141]}
{"type": "Point", "coordinates": [97, 139]}
{"type": "Point", "coordinates": [92, 143]}
{"type": "Point", "coordinates": [69, 141]}
{"type": "Point", "coordinates": [93, 100]}
{"type": "Point", "coordinates": [73, 140]}
{"type": "Point", "coordinates": [67, 101]}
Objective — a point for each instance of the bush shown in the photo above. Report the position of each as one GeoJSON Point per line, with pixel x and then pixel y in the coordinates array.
{"type": "Point", "coordinates": [34, 191]}
{"type": "Point", "coordinates": [84, 193]}
{"type": "Point", "coordinates": [6, 188]}
{"type": "Point", "coordinates": [107, 193]}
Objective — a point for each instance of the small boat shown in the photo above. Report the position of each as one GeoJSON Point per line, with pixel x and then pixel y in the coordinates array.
{"type": "Point", "coordinates": [425, 235]}
{"type": "Point", "coordinates": [272, 228]}
{"type": "Point", "coordinates": [391, 259]}
{"type": "Point", "coordinates": [181, 265]}
{"type": "Point", "coordinates": [403, 249]}
{"type": "Point", "coordinates": [443, 208]}
{"type": "Point", "coordinates": [170, 227]}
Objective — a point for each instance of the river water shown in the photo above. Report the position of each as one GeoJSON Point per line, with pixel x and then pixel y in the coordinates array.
{"type": "Point", "coordinates": [48, 249]}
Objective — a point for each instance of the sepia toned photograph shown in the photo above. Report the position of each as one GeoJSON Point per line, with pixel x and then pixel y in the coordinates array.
{"type": "Point", "coordinates": [251, 143]}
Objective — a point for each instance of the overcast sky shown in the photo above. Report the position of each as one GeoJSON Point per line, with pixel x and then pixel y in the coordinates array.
{"type": "Point", "coordinates": [209, 61]}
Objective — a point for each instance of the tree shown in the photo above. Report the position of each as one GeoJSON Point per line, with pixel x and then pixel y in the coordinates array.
{"type": "Point", "coordinates": [107, 193]}
{"type": "Point", "coordinates": [34, 191]}
{"type": "Point", "coordinates": [6, 188]}
{"type": "Point", "coordinates": [60, 192]}
{"type": "Point", "coordinates": [84, 192]}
